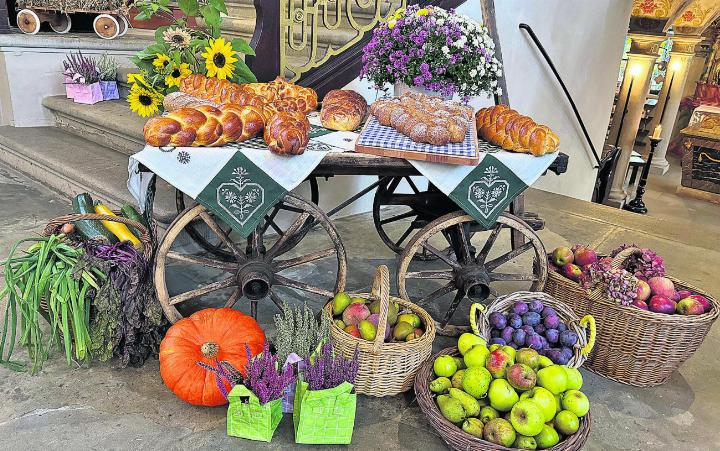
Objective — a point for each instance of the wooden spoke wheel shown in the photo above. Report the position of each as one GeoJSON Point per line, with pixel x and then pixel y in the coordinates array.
{"type": "Point", "coordinates": [28, 21]}
{"type": "Point", "coordinates": [479, 265]}
{"type": "Point", "coordinates": [106, 26]}
{"type": "Point", "coordinates": [280, 214]}
{"type": "Point", "coordinates": [397, 215]}
{"type": "Point", "coordinates": [124, 25]}
{"type": "Point", "coordinates": [262, 266]}
{"type": "Point", "coordinates": [60, 23]}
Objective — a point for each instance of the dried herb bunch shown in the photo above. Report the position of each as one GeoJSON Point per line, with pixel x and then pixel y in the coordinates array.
{"type": "Point", "coordinates": [263, 376]}
{"type": "Point", "coordinates": [329, 371]}
{"type": "Point", "coordinates": [82, 69]}
{"type": "Point", "coordinates": [643, 265]}
{"type": "Point", "coordinates": [298, 331]}
{"type": "Point", "coordinates": [107, 67]}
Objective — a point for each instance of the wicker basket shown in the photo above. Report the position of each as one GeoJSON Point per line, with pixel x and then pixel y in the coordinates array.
{"type": "Point", "coordinates": [635, 347]}
{"type": "Point", "coordinates": [385, 369]}
{"type": "Point", "coordinates": [460, 440]}
{"type": "Point", "coordinates": [481, 324]}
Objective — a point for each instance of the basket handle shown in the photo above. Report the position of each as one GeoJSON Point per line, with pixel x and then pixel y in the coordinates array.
{"type": "Point", "coordinates": [381, 291]}
{"type": "Point", "coordinates": [588, 322]}
{"type": "Point", "coordinates": [476, 309]}
{"type": "Point", "coordinates": [144, 237]}
{"type": "Point", "coordinates": [623, 255]}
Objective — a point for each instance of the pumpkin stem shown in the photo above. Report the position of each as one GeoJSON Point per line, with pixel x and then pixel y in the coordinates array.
{"type": "Point", "coordinates": [210, 349]}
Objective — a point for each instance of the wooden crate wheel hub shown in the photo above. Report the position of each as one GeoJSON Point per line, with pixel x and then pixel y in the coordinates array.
{"type": "Point", "coordinates": [255, 280]}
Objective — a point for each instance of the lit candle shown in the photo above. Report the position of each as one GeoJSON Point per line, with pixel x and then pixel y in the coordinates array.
{"type": "Point", "coordinates": [657, 132]}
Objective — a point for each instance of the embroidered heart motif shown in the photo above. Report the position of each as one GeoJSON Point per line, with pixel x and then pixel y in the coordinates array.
{"type": "Point", "coordinates": [240, 202]}
{"type": "Point", "coordinates": [487, 196]}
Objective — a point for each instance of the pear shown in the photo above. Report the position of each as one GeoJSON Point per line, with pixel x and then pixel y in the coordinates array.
{"type": "Point", "coordinates": [440, 385]}
{"type": "Point", "coordinates": [451, 408]}
{"type": "Point", "coordinates": [458, 378]}
{"type": "Point", "coordinates": [392, 315]}
{"type": "Point", "coordinates": [470, 404]}
{"type": "Point", "coordinates": [402, 330]}
{"type": "Point", "coordinates": [473, 426]}
{"type": "Point", "coordinates": [367, 330]}
{"type": "Point", "coordinates": [340, 303]}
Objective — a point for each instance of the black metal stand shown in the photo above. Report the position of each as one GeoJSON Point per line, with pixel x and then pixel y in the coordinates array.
{"type": "Point", "coordinates": [637, 205]}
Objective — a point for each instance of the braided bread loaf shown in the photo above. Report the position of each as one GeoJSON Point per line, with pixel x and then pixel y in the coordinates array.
{"type": "Point", "coordinates": [287, 133]}
{"type": "Point", "coordinates": [218, 91]}
{"type": "Point", "coordinates": [512, 131]}
{"type": "Point", "coordinates": [343, 109]}
{"type": "Point", "coordinates": [204, 126]}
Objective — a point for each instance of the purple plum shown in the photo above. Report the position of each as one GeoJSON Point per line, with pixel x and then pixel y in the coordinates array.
{"type": "Point", "coordinates": [513, 345]}
{"type": "Point", "coordinates": [531, 318]}
{"type": "Point", "coordinates": [562, 327]}
{"type": "Point", "coordinates": [554, 355]}
{"type": "Point", "coordinates": [520, 308]}
{"type": "Point", "coordinates": [494, 333]}
{"type": "Point", "coordinates": [515, 320]}
{"type": "Point", "coordinates": [498, 341]}
{"type": "Point", "coordinates": [563, 360]}
{"type": "Point", "coordinates": [552, 321]}
{"type": "Point", "coordinates": [552, 336]}
{"type": "Point", "coordinates": [545, 343]}
{"type": "Point", "coordinates": [566, 352]}
{"type": "Point", "coordinates": [534, 342]}
{"type": "Point", "coordinates": [507, 334]}
{"type": "Point", "coordinates": [497, 320]}
{"type": "Point", "coordinates": [568, 338]}
{"type": "Point", "coordinates": [536, 306]}
{"type": "Point", "coordinates": [528, 330]}
{"type": "Point", "coordinates": [540, 329]}
{"type": "Point", "coordinates": [548, 311]}
{"type": "Point", "coordinates": [519, 337]}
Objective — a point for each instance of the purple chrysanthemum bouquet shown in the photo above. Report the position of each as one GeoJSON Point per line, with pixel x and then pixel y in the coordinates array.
{"type": "Point", "coordinates": [264, 377]}
{"type": "Point", "coordinates": [328, 370]}
{"type": "Point", "coordinates": [433, 49]}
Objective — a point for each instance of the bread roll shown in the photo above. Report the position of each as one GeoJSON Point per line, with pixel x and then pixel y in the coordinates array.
{"type": "Point", "coordinates": [343, 109]}
{"type": "Point", "coordinates": [287, 133]}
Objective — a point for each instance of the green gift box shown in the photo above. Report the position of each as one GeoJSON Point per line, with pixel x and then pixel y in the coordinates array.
{"type": "Point", "coordinates": [324, 417]}
{"type": "Point", "coordinates": [247, 418]}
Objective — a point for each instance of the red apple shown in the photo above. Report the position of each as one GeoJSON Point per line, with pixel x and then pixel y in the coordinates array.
{"type": "Point", "coordinates": [353, 330]}
{"type": "Point", "coordinates": [585, 256]}
{"type": "Point", "coordinates": [662, 286]}
{"type": "Point", "coordinates": [690, 306]}
{"type": "Point", "coordinates": [661, 304]}
{"type": "Point", "coordinates": [639, 304]}
{"type": "Point", "coordinates": [521, 377]}
{"type": "Point", "coordinates": [703, 300]}
{"type": "Point", "coordinates": [497, 363]}
{"type": "Point", "coordinates": [643, 290]}
{"type": "Point", "coordinates": [562, 256]}
{"type": "Point", "coordinates": [572, 271]}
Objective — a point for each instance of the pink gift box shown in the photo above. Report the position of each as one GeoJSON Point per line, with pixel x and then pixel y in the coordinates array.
{"type": "Point", "coordinates": [88, 94]}
{"type": "Point", "coordinates": [69, 87]}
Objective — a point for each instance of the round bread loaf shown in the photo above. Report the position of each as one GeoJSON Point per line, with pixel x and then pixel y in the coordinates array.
{"type": "Point", "coordinates": [343, 109]}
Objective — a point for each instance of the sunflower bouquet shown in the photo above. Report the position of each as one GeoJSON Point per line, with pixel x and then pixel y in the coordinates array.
{"type": "Point", "coordinates": [179, 51]}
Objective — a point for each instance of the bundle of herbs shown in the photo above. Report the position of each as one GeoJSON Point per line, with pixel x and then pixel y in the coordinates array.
{"type": "Point", "coordinates": [129, 321]}
{"type": "Point", "coordinates": [299, 332]}
{"type": "Point", "coordinates": [45, 281]}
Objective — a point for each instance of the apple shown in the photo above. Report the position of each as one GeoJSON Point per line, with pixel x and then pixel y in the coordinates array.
{"type": "Point", "coordinates": [521, 377]}
{"type": "Point", "coordinates": [547, 438]}
{"type": "Point", "coordinates": [494, 347]}
{"type": "Point", "coordinates": [562, 256]}
{"type": "Point", "coordinates": [566, 422]}
{"type": "Point", "coordinates": [643, 290]}
{"type": "Point", "coordinates": [689, 306]}
{"type": "Point", "coordinates": [411, 319]}
{"type": "Point", "coordinates": [467, 341]}
{"type": "Point", "coordinates": [352, 330]}
{"type": "Point", "coordinates": [558, 403]}
{"type": "Point", "coordinates": [584, 256]}
{"type": "Point", "coordinates": [545, 362]}
{"type": "Point", "coordinates": [509, 350]}
{"type": "Point", "coordinates": [661, 304]}
{"type": "Point", "coordinates": [572, 272]}
{"type": "Point", "coordinates": [476, 356]}
{"type": "Point", "coordinates": [662, 286]}
{"type": "Point", "coordinates": [574, 378]}
{"type": "Point", "coordinates": [553, 378]}
{"type": "Point", "coordinates": [703, 300]}
{"type": "Point", "coordinates": [487, 413]}
{"type": "Point", "coordinates": [475, 381]}
{"type": "Point", "coordinates": [497, 363]}
{"type": "Point", "coordinates": [545, 400]}
{"type": "Point", "coordinates": [529, 357]}
{"type": "Point", "coordinates": [576, 402]}
{"type": "Point", "coordinates": [502, 395]}
{"type": "Point", "coordinates": [500, 432]}
{"type": "Point", "coordinates": [524, 442]}
{"type": "Point", "coordinates": [444, 366]}
{"type": "Point", "coordinates": [642, 305]}
{"type": "Point", "coordinates": [527, 418]}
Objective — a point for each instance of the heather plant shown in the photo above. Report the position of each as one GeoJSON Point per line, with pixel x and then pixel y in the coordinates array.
{"type": "Point", "coordinates": [433, 49]}
{"type": "Point", "coordinates": [297, 331]}
{"type": "Point", "coordinates": [328, 370]}
{"type": "Point", "coordinates": [264, 377]}
{"type": "Point", "coordinates": [107, 68]}
{"type": "Point", "coordinates": [82, 69]}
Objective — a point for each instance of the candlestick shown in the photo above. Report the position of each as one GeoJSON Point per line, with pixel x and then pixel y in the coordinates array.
{"type": "Point", "coordinates": [637, 205]}
{"type": "Point", "coordinates": [625, 110]}
{"type": "Point", "coordinates": [667, 96]}
{"type": "Point", "coordinates": [657, 132]}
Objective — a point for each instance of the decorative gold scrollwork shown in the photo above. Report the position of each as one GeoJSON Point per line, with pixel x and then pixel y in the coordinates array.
{"type": "Point", "coordinates": [312, 31]}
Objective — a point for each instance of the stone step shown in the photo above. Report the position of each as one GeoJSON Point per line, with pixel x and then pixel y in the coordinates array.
{"type": "Point", "coordinates": [109, 123]}
{"type": "Point", "coordinates": [71, 165]}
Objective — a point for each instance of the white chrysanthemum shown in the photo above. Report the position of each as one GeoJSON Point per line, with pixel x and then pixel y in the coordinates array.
{"type": "Point", "coordinates": [473, 73]}
{"type": "Point", "coordinates": [445, 50]}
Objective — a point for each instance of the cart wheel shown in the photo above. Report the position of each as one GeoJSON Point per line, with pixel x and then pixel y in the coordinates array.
{"type": "Point", "coordinates": [198, 230]}
{"type": "Point", "coordinates": [60, 23]}
{"type": "Point", "coordinates": [466, 272]}
{"type": "Point", "coordinates": [28, 21]}
{"type": "Point", "coordinates": [106, 26]}
{"type": "Point", "coordinates": [266, 267]}
{"type": "Point", "coordinates": [124, 25]}
{"type": "Point", "coordinates": [397, 215]}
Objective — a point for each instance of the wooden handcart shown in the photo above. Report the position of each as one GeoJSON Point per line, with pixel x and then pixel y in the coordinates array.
{"type": "Point", "coordinates": [110, 19]}
{"type": "Point", "coordinates": [436, 243]}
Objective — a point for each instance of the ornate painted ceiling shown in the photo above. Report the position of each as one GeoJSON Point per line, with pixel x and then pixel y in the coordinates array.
{"type": "Point", "coordinates": [685, 16]}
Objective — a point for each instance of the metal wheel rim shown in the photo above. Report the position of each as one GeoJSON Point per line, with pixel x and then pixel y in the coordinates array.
{"type": "Point", "coordinates": [106, 22]}
{"type": "Point", "coordinates": [28, 17]}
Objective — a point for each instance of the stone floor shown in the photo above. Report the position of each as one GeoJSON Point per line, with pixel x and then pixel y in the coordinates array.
{"type": "Point", "coordinates": [106, 407]}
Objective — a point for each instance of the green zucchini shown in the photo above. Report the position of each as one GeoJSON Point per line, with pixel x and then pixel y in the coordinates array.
{"type": "Point", "coordinates": [130, 212]}
{"type": "Point", "coordinates": [83, 204]}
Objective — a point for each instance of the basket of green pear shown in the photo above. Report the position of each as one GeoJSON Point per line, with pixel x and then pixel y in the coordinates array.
{"type": "Point", "coordinates": [393, 337]}
{"type": "Point", "coordinates": [481, 397]}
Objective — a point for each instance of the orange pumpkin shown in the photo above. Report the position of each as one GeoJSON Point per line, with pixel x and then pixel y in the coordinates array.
{"type": "Point", "coordinates": [210, 335]}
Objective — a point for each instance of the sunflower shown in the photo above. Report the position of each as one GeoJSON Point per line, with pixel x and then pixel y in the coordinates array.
{"type": "Point", "coordinates": [161, 61]}
{"type": "Point", "coordinates": [219, 59]}
{"type": "Point", "coordinates": [136, 78]}
{"type": "Point", "coordinates": [145, 102]}
{"type": "Point", "coordinates": [176, 37]}
{"type": "Point", "coordinates": [177, 74]}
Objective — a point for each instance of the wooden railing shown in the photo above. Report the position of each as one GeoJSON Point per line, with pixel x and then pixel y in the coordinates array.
{"type": "Point", "coordinates": [287, 38]}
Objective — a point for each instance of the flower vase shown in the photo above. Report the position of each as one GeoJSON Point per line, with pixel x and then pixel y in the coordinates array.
{"type": "Point", "coordinates": [88, 94]}
{"type": "Point", "coordinates": [109, 90]}
{"type": "Point", "coordinates": [402, 88]}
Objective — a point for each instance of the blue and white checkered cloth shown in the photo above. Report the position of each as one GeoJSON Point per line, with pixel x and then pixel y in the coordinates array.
{"type": "Point", "coordinates": [376, 135]}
